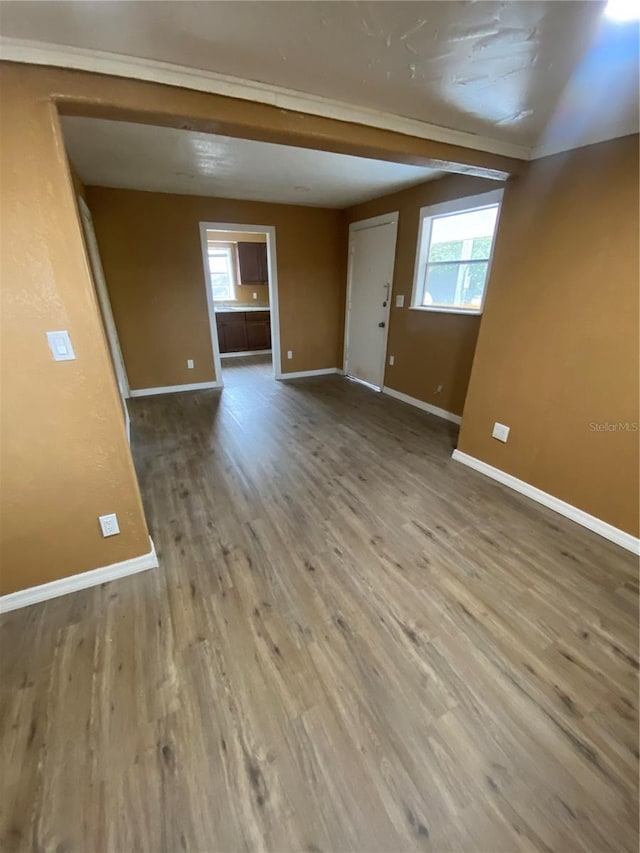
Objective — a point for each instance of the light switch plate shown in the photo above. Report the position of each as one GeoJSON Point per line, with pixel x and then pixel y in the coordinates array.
{"type": "Point", "coordinates": [190, 363]}
{"type": "Point", "coordinates": [109, 524]}
{"type": "Point", "coordinates": [289, 353]}
{"type": "Point", "coordinates": [400, 301]}
{"type": "Point", "coordinates": [60, 346]}
{"type": "Point", "coordinates": [500, 431]}
{"type": "Point", "coordinates": [392, 360]}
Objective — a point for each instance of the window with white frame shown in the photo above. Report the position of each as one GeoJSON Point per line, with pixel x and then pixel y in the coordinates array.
{"type": "Point", "coordinates": [222, 271]}
{"type": "Point", "coordinates": [455, 245]}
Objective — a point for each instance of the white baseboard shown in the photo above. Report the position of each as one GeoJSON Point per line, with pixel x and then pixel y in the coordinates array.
{"type": "Point", "coordinates": [172, 389]}
{"type": "Point", "coordinates": [53, 589]}
{"type": "Point", "coordinates": [420, 404]}
{"type": "Point", "coordinates": [325, 371]}
{"type": "Point", "coordinates": [244, 353]}
{"type": "Point", "coordinates": [602, 528]}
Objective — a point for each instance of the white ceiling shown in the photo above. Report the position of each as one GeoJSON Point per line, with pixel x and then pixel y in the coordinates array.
{"type": "Point", "coordinates": [164, 159]}
{"type": "Point", "coordinates": [525, 73]}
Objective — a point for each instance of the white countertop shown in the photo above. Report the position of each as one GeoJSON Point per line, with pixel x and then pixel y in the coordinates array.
{"type": "Point", "coordinates": [222, 309]}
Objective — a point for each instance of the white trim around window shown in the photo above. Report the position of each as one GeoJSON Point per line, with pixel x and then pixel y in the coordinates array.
{"type": "Point", "coordinates": [427, 215]}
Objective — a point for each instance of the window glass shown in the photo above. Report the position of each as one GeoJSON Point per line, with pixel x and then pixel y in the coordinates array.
{"type": "Point", "coordinates": [456, 250]}
{"type": "Point", "coordinates": [221, 273]}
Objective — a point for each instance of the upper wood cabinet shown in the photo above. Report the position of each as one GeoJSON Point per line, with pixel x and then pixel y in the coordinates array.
{"type": "Point", "coordinates": [252, 259]}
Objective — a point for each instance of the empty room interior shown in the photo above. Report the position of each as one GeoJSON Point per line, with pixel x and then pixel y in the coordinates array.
{"type": "Point", "coordinates": [319, 444]}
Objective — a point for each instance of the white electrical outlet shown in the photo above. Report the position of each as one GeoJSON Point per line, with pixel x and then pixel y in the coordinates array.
{"type": "Point", "coordinates": [190, 363]}
{"type": "Point", "coordinates": [439, 389]}
{"type": "Point", "coordinates": [109, 524]}
{"type": "Point", "coordinates": [392, 360]}
{"type": "Point", "coordinates": [500, 431]}
{"type": "Point", "coordinates": [289, 353]}
{"type": "Point", "coordinates": [400, 301]}
{"type": "Point", "coordinates": [255, 295]}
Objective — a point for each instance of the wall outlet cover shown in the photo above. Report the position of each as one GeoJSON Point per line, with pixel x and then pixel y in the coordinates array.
{"type": "Point", "coordinates": [500, 431]}
{"type": "Point", "coordinates": [190, 363]}
{"type": "Point", "coordinates": [400, 301]}
{"type": "Point", "coordinates": [392, 360]}
{"type": "Point", "coordinates": [289, 353]}
{"type": "Point", "coordinates": [60, 346]}
{"type": "Point", "coordinates": [109, 524]}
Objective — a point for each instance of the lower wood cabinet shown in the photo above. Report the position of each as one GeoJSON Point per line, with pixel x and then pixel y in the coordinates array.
{"type": "Point", "coordinates": [240, 331]}
{"type": "Point", "coordinates": [232, 337]}
{"type": "Point", "coordinates": [258, 330]}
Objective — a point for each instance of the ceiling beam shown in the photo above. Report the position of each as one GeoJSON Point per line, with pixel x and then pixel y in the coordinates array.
{"type": "Point", "coordinates": [159, 93]}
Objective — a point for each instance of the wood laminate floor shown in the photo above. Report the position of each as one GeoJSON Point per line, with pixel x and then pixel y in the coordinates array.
{"type": "Point", "coordinates": [352, 643]}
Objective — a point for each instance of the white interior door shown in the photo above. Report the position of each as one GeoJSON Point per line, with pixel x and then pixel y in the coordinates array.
{"type": "Point", "coordinates": [372, 249]}
{"type": "Point", "coordinates": [105, 308]}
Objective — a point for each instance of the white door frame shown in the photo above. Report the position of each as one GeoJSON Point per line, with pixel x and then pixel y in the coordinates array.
{"type": "Point", "coordinates": [103, 297]}
{"type": "Point", "coordinates": [272, 266]}
{"type": "Point", "coordinates": [361, 225]}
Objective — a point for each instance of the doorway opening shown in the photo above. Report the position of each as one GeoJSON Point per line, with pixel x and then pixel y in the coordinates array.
{"type": "Point", "coordinates": [242, 294]}
{"type": "Point", "coordinates": [106, 314]}
{"type": "Point", "coordinates": [372, 251]}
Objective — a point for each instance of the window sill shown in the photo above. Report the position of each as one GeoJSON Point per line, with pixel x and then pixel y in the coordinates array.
{"type": "Point", "coordinates": [474, 312]}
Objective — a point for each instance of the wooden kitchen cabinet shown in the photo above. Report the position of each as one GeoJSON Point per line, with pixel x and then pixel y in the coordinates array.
{"type": "Point", "coordinates": [258, 330]}
{"type": "Point", "coordinates": [232, 332]}
{"type": "Point", "coordinates": [252, 260]}
{"type": "Point", "coordinates": [240, 331]}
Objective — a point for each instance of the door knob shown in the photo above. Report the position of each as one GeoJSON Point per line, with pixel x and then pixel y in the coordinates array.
{"type": "Point", "coordinates": [381, 325]}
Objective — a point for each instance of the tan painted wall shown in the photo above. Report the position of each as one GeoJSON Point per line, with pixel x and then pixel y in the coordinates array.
{"type": "Point", "coordinates": [62, 432]}
{"type": "Point", "coordinates": [430, 349]}
{"type": "Point", "coordinates": [65, 457]}
{"type": "Point", "coordinates": [558, 346]}
{"type": "Point", "coordinates": [244, 292]}
{"type": "Point", "coordinates": [236, 236]}
{"type": "Point", "coordinates": [150, 249]}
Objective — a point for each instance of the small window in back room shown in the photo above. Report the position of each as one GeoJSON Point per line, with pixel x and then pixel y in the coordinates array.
{"type": "Point", "coordinates": [222, 269]}
{"type": "Point", "coordinates": [455, 245]}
